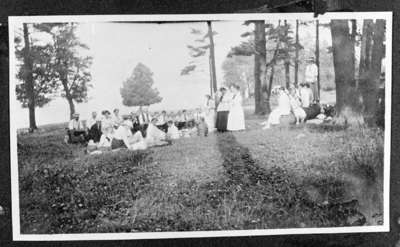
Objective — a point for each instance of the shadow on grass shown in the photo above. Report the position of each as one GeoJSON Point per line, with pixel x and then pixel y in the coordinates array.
{"type": "Point", "coordinates": [274, 199]}
{"type": "Point", "coordinates": [326, 127]}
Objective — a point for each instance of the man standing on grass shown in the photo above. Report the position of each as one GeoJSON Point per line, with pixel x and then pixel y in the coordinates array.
{"type": "Point", "coordinates": [311, 76]}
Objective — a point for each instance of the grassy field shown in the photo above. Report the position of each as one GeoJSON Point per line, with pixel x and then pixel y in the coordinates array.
{"type": "Point", "coordinates": [303, 176]}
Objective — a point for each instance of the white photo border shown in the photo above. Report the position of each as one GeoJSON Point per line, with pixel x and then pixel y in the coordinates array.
{"type": "Point", "coordinates": [18, 20]}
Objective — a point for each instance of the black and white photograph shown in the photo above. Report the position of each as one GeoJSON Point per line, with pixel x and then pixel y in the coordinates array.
{"type": "Point", "coordinates": [170, 126]}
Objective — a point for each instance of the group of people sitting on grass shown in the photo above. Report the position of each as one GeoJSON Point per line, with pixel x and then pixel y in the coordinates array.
{"type": "Point", "coordinates": [141, 129]}
{"type": "Point", "coordinates": [299, 102]}
{"type": "Point", "coordinates": [138, 130]}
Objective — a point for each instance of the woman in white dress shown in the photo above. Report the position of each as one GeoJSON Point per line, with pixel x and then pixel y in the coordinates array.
{"type": "Point", "coordinates": [106, 121]}
{"type": "Point", "coordinates": [236, 113]}
{"type": "Point", "coordinates": [283, 108]}
{"type": "Point", "coordinates": [295, 105]}
{"type": "Point", "coordinates": [209, 113]}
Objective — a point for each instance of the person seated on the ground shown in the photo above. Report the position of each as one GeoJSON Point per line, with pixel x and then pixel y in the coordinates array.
{"type": "Point", "coordinates": [282, 109]}
{"type": "Point", "coordinates": [155, 136]}
{"type": "Point", "coordinates": [191, 116]}
{"type": "Point", "coordinates": [183, 119]}
{"type": "Point", "coordinates": [173, 133]}
{"type": "Point", "coordinates": [144, 119]}
{"type": "Point", "coordinates": [91, 146]}
{"type": "Point", "coordinates": [104, 144]}
{"type": "Point", "coordinates": [92, 120]}
{"type": "Point", "coordinates": [95, 132]}
{"type": "Point", "coordinates": [123, 137]}
{"type": "Point", "coordinates": [116, 119]}
{"type": "Point", "coordinates": [197, 115]}
{"type": "Point", "coordinates": [329, 110]}
{"type": "Point", "coordinates": [171, 117]}
{"type": "Point", "coordinates": [106, 121]}
{"type": "Point", "coordinates": [76, 130]}
{"type": "Point", "coordinates": [135, 122]}
{"type": "Point", "coordinates": [295, 105]}
{"type": "Point", "coordinates": [296, 90]}
{"type": "Point", "coordinates": [162, 121]}
{"type": "Point", "coordinates": [175, 117]}
{"type": "Point", "coordinates": [306, 95]}
{"type": "Point", "coordinates": [312, 111]}
{"type": "Point", "coordinates": [190, 130]}
{"type": "Point", "coordinates": [106, 139]}
{"type": "Point", "coordinates": [202, 127]}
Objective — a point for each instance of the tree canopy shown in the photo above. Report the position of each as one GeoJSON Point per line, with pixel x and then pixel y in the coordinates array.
{"type": "Point", "coordinates": [45, 83]}
{"type": "Point", "coordinates": [70, 68]}
{"type": "Point", "coordinates": [138, 89]}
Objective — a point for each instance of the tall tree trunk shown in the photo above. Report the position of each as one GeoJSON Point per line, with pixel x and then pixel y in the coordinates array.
{"type": "Point", "coordinates": [287, 73]}
{"type": "Point", "coordinates": [68, 96]}
{"type": "Point", "coordinates": [271, 80]}
{"type": "Point", "coordinates": [71, 106]}
{"type": "Point", "coordinates": [212, 56]}
{"type": "Point", "coordinates": [296, 61]}
{"type": "Point", "coordinates": [353, 36]}
{"type": "Point", "coordinates": [317, 58]}
{"type": "Point", "coordinates": [267, 90]}
{"type": "Point", "coordinates": [347, 97]}
{"type": "Point", "coordinates": [364, 82]}
{"type": "Point", "coordinates": [287, 58]}
{"type": "Point", "coordinates": [29, 79]}
{"type": "Point", "coordinates": [260, 66]}
{"type": "Point", "coordinates": [365, 51]}
{"type": "Point", "coordinates": [211, 77]}
{"type": "Point", "coordinates": [370, 88]}
{"type": "Point", "coordinates": [271, 64]}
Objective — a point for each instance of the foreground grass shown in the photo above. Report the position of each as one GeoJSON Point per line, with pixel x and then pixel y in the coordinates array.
{"type": "Point", "coordinates": [297, 177]}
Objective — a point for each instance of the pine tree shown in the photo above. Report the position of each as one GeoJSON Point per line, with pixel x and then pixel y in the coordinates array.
{"type": "Point", "coordinates": [201, 49]}
{"type": "Point", "coordinates": [138, 89]}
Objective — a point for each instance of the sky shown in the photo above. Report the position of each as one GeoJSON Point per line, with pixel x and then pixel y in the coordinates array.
{"type": "Point", "coordinates": [117, 48]}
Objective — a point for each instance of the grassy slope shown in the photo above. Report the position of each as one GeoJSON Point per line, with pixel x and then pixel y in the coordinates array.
{"type": "Point", "coordinates": [245, 180]}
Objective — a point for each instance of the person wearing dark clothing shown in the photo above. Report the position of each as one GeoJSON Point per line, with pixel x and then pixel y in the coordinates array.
{"type": "Point", "coordinates": [222, 111]}
{"type": "Point", "coordinates": [144, 119]}
{"type": "Point", "coordinates": [183, 120]}
{"type": "Point", "coordinates": [380, 108]}
{"type": "Point", "coordinates": [162, 122]}
{"type": "Point", "coordinates": [135, 123]}
{"type": "Point", "coordinates": [76, 132]}
{"type": "Point", "coordinates": [329, 110]}
{"type": "Point", "coordinates": [95, 132]}
{"type": "Point", "coordinates": [312, 111]}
